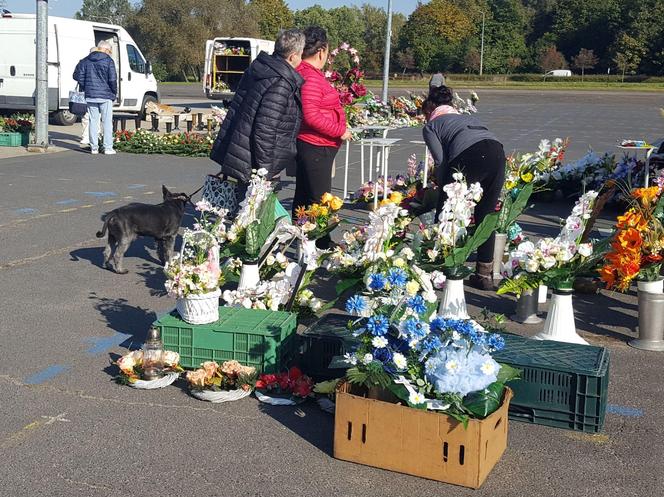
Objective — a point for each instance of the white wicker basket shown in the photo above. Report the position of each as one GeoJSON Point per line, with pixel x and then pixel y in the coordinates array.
{"type": "Point", "coordinates": [218, 397]}
{"type": "Point", "coordinates": [199, 309]}
{"type": "Point", "coordinates": [162, 382]}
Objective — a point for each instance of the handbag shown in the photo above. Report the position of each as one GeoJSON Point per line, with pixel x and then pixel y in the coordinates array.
{"type": "Point", "coordinates": [77, 103]}
{"type": "Point", "coordinates": [221, 193]}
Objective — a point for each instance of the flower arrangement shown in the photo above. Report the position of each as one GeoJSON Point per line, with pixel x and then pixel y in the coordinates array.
{"type": "Point", "coordinates": [349, 85]}
{"type": "Point", "coordinates": [17, 123]}
{"type": "Point", "coordinates": [291, 384]}
{"type": "Point", "coordinates": [426, 361]}
{"type": "Point", "coordinates": [221, 86]}
{"type": "Point", "coordinates": [637, 249]}
{"type": "Point", "coordinates": [230, 375]}
{"type": "Point", "coordinates": [219, 113]}
{"type": "Point", "coordinates": [131, 365]}
{"type": "Point", "coordinates": [449, 243]}
{"type": "Point", "coordinates": [143, 141]}
{"type": "Point", "coordinates": [465, 106]}
{"type": "Point", "coordinates": [521, 175]}
{"type": "Point", "coordinates": [554, 261]}
{"type": "Point", "coordinates": [319, 219]}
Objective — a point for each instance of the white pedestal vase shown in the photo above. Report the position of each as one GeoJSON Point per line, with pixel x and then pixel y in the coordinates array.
{"type": "Point", "coordinates": [199, 309]}
{"type": "Point", "coordinates": [559, 324]}
{"type": "Point", "coordinates": [498, 254]}
{"type": "Point", "coordinates": [542, 294]}
{"type": "Point", "coordinates": [651, 316]}
{"type": "Point", "coordinates": [249, 276]}
{"type": "Point", "coordinates": [453, 302]}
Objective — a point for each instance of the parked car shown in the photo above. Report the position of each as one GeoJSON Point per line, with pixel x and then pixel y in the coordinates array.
{"type": "Point", "coordinates": [69, 40]}
{"type": "Point", "coordinates": [226, 59]}
{"type": "Point", "coordinates": [558, 73]}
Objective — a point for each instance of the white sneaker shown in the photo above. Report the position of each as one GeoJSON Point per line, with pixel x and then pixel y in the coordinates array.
{"type": "Point", "coordinates": [110, 152]}
{"type": "Point", "coordinates": [94, 152]}
{"type": "Point", "coordinates": [84, 143]}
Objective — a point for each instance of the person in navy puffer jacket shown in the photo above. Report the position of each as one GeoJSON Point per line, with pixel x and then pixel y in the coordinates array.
{"type": "Point", "coordinates": [98, 79]}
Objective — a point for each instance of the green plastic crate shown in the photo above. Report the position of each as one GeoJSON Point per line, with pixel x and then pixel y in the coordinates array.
{"type": "Point", "coordinates": [322, 341]}
{"type": "Point", "coordinates": [563, 385]}
{"type": "Point", "coordinates": [14, 139]}
{"type": "Point", "coordinates": [263, 339]}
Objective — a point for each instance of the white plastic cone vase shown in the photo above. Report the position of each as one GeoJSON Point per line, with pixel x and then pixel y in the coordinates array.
{"type": "Point", "coordinates": [656, 286]}
{"type": "Point", "coordinates": [249, 276]}
{"type": "Point", "coordinates": [542, 293]}
{"type": "Point", "coordinates": [498, 254]}
{"type": "Point", "coordinates": [453, 303]}
{"type": "Point", "coordinates": [559, 324]}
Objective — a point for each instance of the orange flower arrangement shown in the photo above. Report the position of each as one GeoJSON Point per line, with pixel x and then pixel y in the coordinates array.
{"type": "Point", "coordinates": [319, 219]}
{"type": "Point", "coordinates": [637, 249]}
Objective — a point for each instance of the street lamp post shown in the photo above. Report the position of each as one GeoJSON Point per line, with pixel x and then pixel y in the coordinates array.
{"type": "Point", "coordinates": [482, 47]}
{"type": "Point", "coordinates": [388, 43]}
{"type": "Point", "coordinates": [41, 88]}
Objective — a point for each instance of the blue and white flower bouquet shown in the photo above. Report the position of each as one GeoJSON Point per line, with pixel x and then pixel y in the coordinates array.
{"type": "Point", "coordinates": [426, 361]}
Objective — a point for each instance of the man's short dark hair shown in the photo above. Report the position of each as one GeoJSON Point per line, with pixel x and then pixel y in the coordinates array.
{"type": "Point", "coordinates": [315, 40]}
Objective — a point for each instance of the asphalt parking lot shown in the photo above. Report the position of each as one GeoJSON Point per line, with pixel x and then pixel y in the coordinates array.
{"type": "Point", "coordinates": [69, 430]}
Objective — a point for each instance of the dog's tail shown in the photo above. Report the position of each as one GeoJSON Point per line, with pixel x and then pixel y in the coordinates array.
{"type": "Point", "coordinates": [102, 233]}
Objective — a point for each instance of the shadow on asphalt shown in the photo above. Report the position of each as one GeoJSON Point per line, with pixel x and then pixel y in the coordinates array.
{"type": "Point", "coordinates": [124, 318]}
{"type": "Point", "coordinates": [138, 249]}
{"type": "Point", "coordinates": [306, 421]}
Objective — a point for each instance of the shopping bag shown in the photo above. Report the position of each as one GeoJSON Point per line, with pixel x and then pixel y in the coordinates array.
{"type": "Point", "coordinates": [221, 193]}
{"type": "Point", "coordinates": [77, 104]}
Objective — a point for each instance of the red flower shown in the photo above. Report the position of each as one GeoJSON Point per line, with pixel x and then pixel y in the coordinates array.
{"type": "Point", "coordinates": [303, 386]}
{"type": "Point", "coordinates": [284, 382]}
{"type": "Point", "coordinates": [358, 89]}
{"type": "Point", "coordinates": [268, 380]}
{"type": "Point", "coordinates": [346, 98]}
{"type": "Point", "coordinates": [294, 373]}
{"type": "Point", "coordinates": [260, 384]}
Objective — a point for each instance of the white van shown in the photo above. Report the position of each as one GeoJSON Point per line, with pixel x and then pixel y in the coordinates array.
{"type": "Point", "coordinates": [69, 40]}
{"type": "Point", "coordinates": [559, 73]}
{"type": "Point", "coordinates": [226, 59]}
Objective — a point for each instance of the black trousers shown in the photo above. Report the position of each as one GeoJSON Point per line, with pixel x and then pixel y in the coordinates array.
{"type": "Point", "coordinates": [313, 177]}
{"type": "Point", "coordinates": [483, 162]}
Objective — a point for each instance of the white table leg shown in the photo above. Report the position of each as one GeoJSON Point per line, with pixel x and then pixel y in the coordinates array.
{"type": "Point", "coordinates": [346, 169]}
{"type": "Point", "coordinates": [386, 156]}
{"type": "Point", "coordinates": [362, 160]}
{"type": "Point", "coordinates": [370, 161]}
{"type": "Point", "coordinates": [379, 158]}
{"type": "Point", "coordinates": [426, 166]}
{"type": "Point", "coordinates": [648, 152]}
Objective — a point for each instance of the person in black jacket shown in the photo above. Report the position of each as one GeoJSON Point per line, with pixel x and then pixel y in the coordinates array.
{"type": "Point", "coordinates": [264, 117]}
{"type": "Point", "coordinates": [97, 78]}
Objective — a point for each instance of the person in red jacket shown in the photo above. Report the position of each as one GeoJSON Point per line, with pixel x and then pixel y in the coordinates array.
{"type": "Point", "coordinates": [323, 126]}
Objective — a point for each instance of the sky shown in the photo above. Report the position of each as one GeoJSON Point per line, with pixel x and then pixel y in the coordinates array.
{"type": "Point", "coordinates": [67, 8]}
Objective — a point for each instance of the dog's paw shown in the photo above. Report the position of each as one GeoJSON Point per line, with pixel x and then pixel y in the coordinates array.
{"type": "Point", "coordinates": [122, 271]}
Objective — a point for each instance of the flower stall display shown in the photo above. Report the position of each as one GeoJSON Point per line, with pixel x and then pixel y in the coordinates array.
{"type": "Point", "coordinates": [131, 370]}
{"type": "Point", "coordinates": [556, 262]}
{"type": "Point", "coordinates": [289, 388]}
{"type": "Point", "coordinates": [224, 382]}
{"type": "Point", "coordinates": [637, 249]}
{"type": "Point", "coordinates": [15, 130]}
{"type": "Point", "coordinates": [143, 141]}
{"type": "Point", "coordinates": [349, 85]}
{"type": "Point", "coordinates": [319, 219]}
{"type": "Point", "coordinates": [447, 245]}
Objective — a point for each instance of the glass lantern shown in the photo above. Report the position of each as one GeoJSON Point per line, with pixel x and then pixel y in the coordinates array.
{"type": "Point", "coordinates": [153, 356]}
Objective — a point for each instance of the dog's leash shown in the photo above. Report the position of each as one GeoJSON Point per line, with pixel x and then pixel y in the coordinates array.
{"type": "Point", "coordinates": [192, 194]}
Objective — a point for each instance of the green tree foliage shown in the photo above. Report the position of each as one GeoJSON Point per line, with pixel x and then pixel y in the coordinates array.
{"type": "Point", "coordinates": [109, 11]}
{"type": "Point", "coordinates": [550, 58]}
{"type": "Point", "coordinates": [272, 15]}
{"type": "Point", "coordinates": [585, 59]}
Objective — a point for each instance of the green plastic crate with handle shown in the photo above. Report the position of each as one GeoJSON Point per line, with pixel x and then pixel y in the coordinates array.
{"type": "Point", "coordinates": [563, 385]}
{"type": "Point", "coordinates": [263, 339]}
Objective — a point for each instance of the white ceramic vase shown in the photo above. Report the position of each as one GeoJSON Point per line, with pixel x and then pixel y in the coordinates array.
{"type": "Point", "coordinates": [542, 294]}
{"type": "Point", "coordinates": [498, 254]}
{"type": "Point", "coordinates": [453, 302]}
{"type": "Point", "coordinates": [249, 276]}
{"type": "Point", "coordinates": [559, 324]}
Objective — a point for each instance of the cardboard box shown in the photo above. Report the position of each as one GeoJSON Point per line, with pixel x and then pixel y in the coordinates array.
{"type": "Point", "coordinates": [416, 442]}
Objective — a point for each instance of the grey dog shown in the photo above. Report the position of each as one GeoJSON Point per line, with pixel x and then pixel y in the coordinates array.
{"type": "Point", "coordinates": [126, 223]}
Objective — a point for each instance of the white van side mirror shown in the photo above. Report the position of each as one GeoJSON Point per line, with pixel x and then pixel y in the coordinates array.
{"type": "Point", "coordinates": [148, 68]}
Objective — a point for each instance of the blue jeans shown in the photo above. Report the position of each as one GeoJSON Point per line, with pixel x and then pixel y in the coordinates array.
{"type": "Point", "coordinates": [97, 107]}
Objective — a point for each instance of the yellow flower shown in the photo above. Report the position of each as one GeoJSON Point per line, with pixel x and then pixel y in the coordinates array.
{"type": "Point", "coordinates": [336, 203]}
{"type": "Point", "coordinates": [385, 201]}
{"type": "Point", "coordinates": [396, 197]}
{"type": "Point", "coordinates": [509, 185]}
{"type": "Point", "coordinates": [324, 211]}
{"type": "Point", "coordinates": [412, 287]}
{"type": "Point", "coordinates": [399, 262]}
{"type": "Point", "coordinates": [326, 198]}
{"type": "Point", "coordinates": [527, 177]}
{"type": "Point", "coordinates": [314, 210]}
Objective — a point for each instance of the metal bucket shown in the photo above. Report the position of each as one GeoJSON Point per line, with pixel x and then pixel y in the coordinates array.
{"type": "Point", "coordinates": [651, 322]}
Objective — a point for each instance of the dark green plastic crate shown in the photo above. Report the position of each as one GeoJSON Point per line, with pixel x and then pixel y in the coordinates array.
{"type": "Point", "coordinates": [13, 139]}
{"type": "Point", "coordinates": [263, 339]}
{"type": "Point", "coordinates": [563, 385]}
{"type": "Point", "coordinates": [322, 341]}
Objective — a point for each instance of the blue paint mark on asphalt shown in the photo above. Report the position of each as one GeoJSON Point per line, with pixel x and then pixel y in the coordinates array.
{"type": "Point", "coordinates": [136, 186]}
{"type": "Point", "coordinates": [102, 344]}
{"type": "Point", "coordinates": [46, 374]}
{"type": "Point", "coordinates": [67, 201]}
{"type": "Point", "coordinates": [26, 210]}
{"type": "Point", "coordinates": [102, 194]}
{"type": "Point", "coordinates": [624, 411]}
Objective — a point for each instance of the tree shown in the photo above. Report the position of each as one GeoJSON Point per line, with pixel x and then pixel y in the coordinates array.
{"type": "Point", "coordinates": [472, 60]}
{"type": "Point", "coordinates": [109, 11]}
{"type": "Point", "coordinates": [272, 16]}
{"type": "Point", "coordinates": [628, 53]}
{"type": "Point", "coordinates": [585, 59]}
{"type": "Point", "coordinates": [512, 63]}
{"type": "Point", "coordinates": [550, 58]}
{"type": "Point", "coordinates": [405, 60]}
